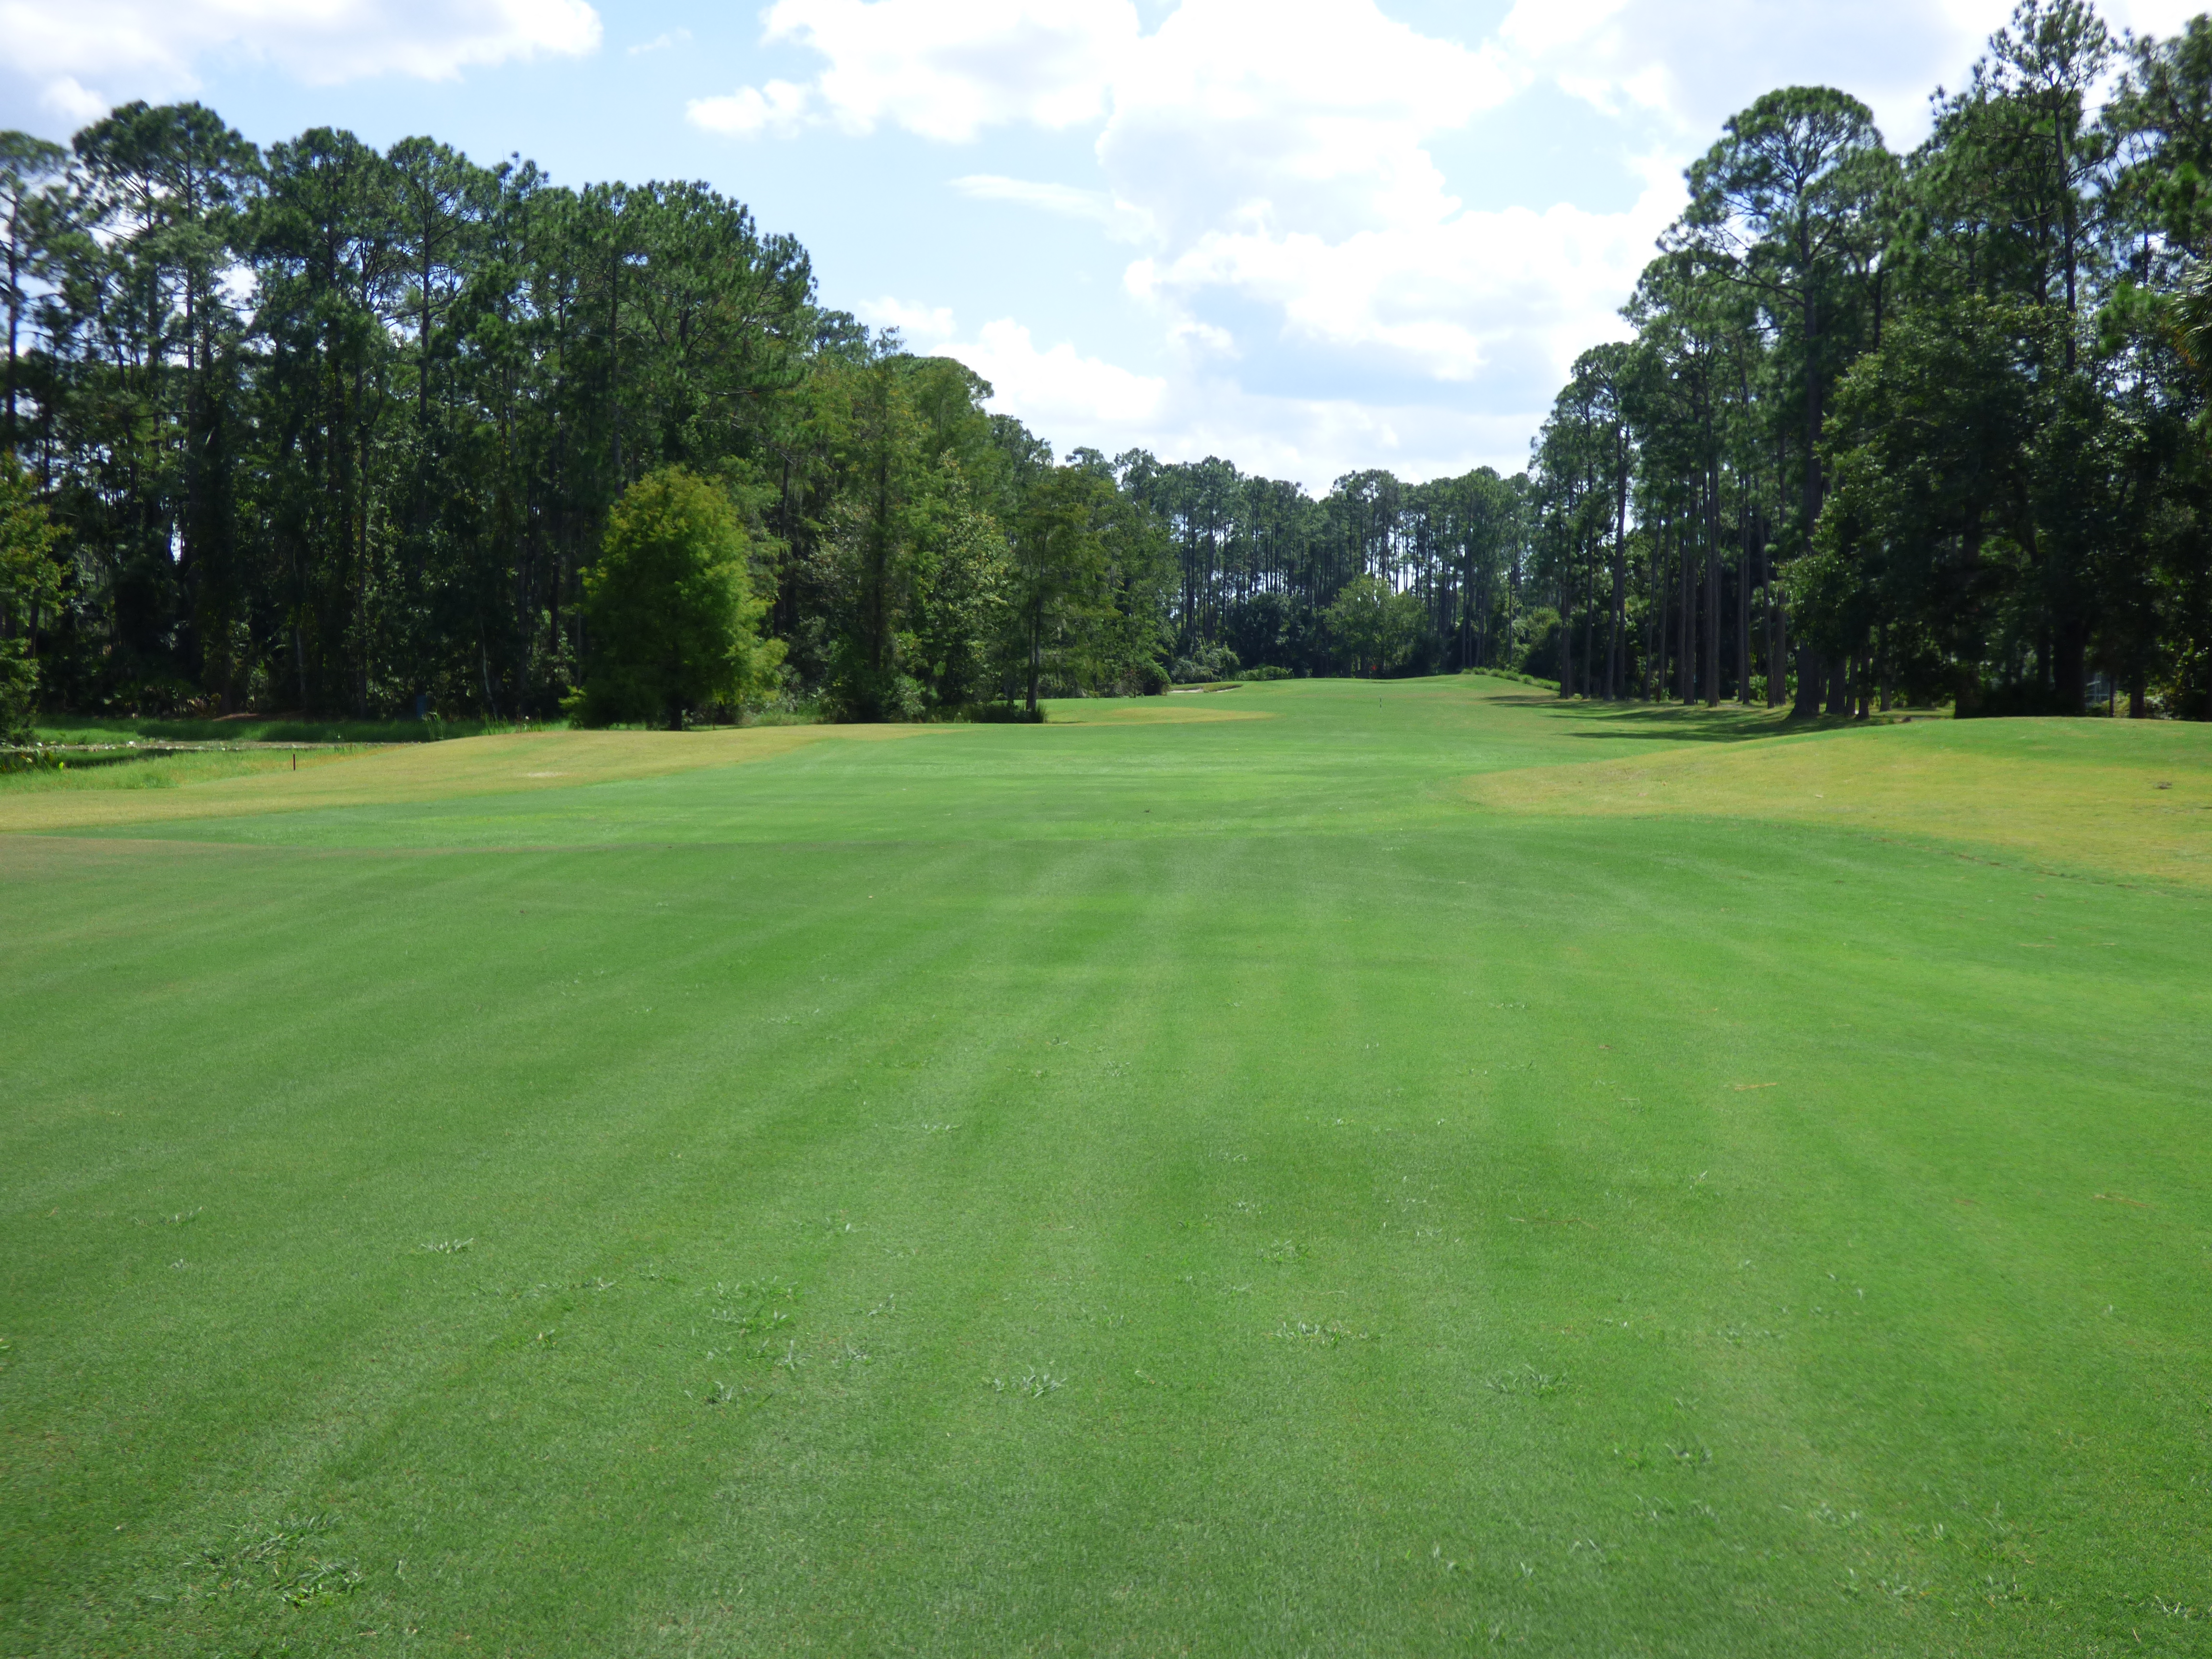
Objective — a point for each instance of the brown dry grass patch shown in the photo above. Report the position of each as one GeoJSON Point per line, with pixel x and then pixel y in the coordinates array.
{"type": "Point", "coordinates": [429, 771]}
{"type": "Point", "coordinates": [2113, 798]}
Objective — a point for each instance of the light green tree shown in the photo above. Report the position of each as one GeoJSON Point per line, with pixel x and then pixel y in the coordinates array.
{"type": "Point", "coordinates": [1375, 626]}
{"type": "Point", "coordinates": [671, 619]}
{"type": "Point", "coordinates": [1086, 574]}
{"type": "Point", "coordinates": [1057, 575]}
{"type": "Point", "coordinates": [911, 559]}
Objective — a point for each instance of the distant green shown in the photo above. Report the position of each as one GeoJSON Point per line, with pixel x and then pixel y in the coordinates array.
{"type": "Point", "coordinates": [1126, 1187]}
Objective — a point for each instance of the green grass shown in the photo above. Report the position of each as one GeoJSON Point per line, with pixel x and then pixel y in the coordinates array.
{"type": "Point", "coordinates": [1177, 1181]}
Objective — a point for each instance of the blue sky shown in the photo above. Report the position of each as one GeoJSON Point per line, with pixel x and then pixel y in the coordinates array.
{"type": "Point", "coordinates": [1308, 235]}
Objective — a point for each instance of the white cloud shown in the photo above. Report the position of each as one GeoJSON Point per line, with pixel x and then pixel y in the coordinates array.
{"type": "Point", "coordinates": [1628, 56]}
{"type": "Point", "coordinates": [1197, 338]}
{"type": "Point", "coordinates": [2160, 17]}
{"type": "Point", "coordinates": [1186, 415]}
{"type": "Point", "coordinates": [1316, 440]}
{"type": "Point", "coordinates": [947, 69]}
{"type": "Point", "coordinates": [72, 100]}
{"type": "Point", "coordinates": [1077, 400]}
{"type": "Point", "coordinates": [1304, 114]}
{"type": "Point", "coordinates": [1690, 64]}
{"type": "Point", "coordinates": [1057, 390]}
{"type": "Point", "coordinates": [1293, 107]}
{"type": "Point", "coordinates": [777, 107]}
{"type": "Point", "coordinates": [661, 42]}
{"type": "Point", "coordinates": [1443, 297]}
{"type": "Point", "coordinates": [915, 322]}
{"type": "Point", "coordinates": [1120, 220]}
{"type": "Point", "coordinates": [137, 48]}
{"type": "Point", "coordinates": [1289, 166]}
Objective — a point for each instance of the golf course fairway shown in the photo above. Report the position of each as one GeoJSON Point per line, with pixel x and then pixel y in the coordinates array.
{"type": "Point", "coordinates": [1323, 1166]}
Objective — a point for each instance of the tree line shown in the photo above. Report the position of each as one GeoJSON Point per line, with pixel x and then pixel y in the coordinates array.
{"type": "Point", "coordinates": [349, 432]}
{"type": "Point", "coordinates": [1927, 428]}
{"type": "Point", "coordinates": [321, 427]}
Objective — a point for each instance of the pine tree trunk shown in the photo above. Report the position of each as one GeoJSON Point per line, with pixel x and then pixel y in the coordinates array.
{"type": "Point", "coordinates": [1567, 636]}
{"type": "Point", "coordinates": [1778, 644]}
{"type": "Point", "coordinates": [1685, 660]}
{"type": "Point", "coordinates": [1743, 616]}
{"type": "Point", "coordinates": [1712, 626]}
{"type": "Point", "coordinates": [1809, 674]}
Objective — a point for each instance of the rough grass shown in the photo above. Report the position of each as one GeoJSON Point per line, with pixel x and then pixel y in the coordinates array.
{"type": "Point", "coordinates": [172, 769]}
{"type": "Point", "coordinates": [253, 728]}
{"type": "Point", "coordinates": [1205, 1188]}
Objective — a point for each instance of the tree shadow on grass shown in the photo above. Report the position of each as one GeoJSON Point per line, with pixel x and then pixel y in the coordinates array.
{"type": "Point", "coordinates": [1645, 722]}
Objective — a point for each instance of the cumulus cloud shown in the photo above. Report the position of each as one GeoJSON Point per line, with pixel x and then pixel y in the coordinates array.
{"type": "Point", "coordinates": [1057, 390]}
{"type": "Point", "coordinates": [1293, 107]}
{"type": "Point", "coordinates": [777, 107]}
{"type": "Point", "coordinates": [1444, 296]}
{"type": "Point", "coordinates": [918, 323]}
{"type": "Point", "coordinates": [1303, 114]}
{"type": "Point", "coordinates": [1187, 416]}
{"type": "Point", "coordinates": [74, 102]}
{"type": "Point", "coordinates": [1072, 398]}
{"type": "Point", "coordinates": [947, 69]}
{"type": "Point", "coordinates": [80, 57]}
